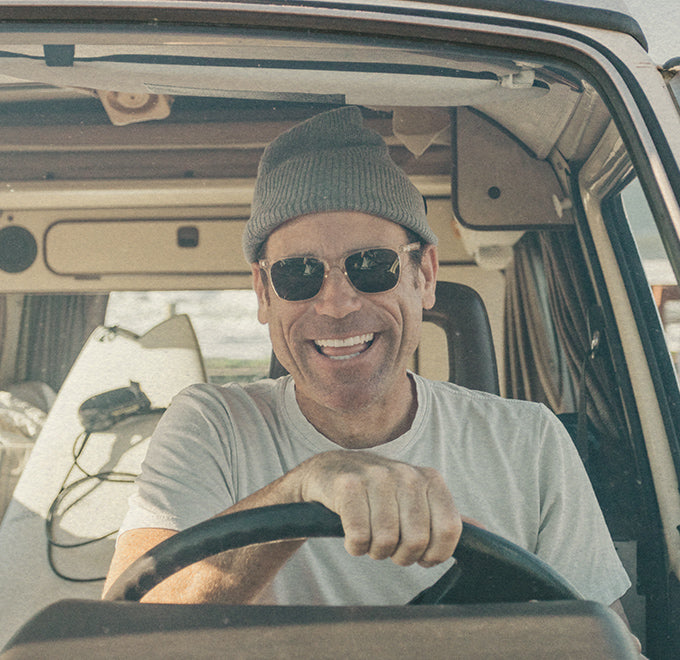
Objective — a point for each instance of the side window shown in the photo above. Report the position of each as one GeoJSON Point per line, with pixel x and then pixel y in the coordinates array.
{"type": "Point", "coordinates": [656, 264]}
{"type": "Point", "coordinates": [673, 69]}
{"type": "Point", "coordinates": [234, 345]}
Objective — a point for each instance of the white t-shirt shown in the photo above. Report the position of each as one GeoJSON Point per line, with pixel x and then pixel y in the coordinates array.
{"type": "Point", "coordinates": [509, 464]}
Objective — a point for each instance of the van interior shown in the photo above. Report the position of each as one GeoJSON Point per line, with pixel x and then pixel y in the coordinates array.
{"type": "Point", "coordinates": [127, 167]}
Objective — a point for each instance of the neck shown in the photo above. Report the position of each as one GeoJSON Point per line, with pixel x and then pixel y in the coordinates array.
{"type": "Point", "coordinates": [368, 426]}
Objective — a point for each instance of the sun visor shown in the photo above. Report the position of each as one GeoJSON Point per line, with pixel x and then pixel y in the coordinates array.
{"type": "Point", "coordinates": [489, 181]}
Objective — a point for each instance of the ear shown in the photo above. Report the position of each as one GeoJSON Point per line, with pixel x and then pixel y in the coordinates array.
{"type": "Point", "coordinates": [262, 292]}
{"type": "Point", "coordinates": [429, 267]}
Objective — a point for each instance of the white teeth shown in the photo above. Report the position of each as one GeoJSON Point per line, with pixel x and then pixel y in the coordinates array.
{"type": "Point", "coordinates": [341, 343]}
{"type": "Point", "coordinates": [343, 357]}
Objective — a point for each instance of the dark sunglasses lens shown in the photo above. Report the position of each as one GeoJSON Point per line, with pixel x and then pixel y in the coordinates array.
{"type": "Point", "coordinates": [297, 278]}
{"type": "Point", "coordinates": [373, 271]}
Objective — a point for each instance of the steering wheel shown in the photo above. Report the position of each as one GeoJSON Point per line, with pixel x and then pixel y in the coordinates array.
{"type": "Point", "coordinates": [488, 568]}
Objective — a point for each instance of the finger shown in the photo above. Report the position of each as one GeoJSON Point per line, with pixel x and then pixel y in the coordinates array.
{"type": "Point", "coordinates": [385, 523]}
{"type": "Point", "coordinates": [354, 510]}
{"type": "Point", "coordinates": [415, 523]}
{"type": "Point", "coordinates": [446, 526]}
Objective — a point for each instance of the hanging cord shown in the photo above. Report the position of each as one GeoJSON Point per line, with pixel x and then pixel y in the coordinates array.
{"type": "Point", "coordinates": [67, 488]}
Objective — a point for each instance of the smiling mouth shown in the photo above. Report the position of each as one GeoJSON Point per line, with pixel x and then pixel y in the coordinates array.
{"type": "Point", "coordinates": [344, 349]}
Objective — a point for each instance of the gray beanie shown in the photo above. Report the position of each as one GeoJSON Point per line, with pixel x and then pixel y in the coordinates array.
{"type": "Point", "coordinates": [331, 162]}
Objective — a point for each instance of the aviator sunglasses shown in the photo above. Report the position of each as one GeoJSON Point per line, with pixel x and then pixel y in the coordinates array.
{"type": "Point", "coordinates": [374, 270]}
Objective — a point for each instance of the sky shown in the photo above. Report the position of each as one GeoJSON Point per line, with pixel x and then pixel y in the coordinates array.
{"type": "Point", "coordinates": [660, 21]}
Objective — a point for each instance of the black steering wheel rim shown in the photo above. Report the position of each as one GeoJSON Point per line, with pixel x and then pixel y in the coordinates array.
{"type": "Point", "coordinates": [488, 568]}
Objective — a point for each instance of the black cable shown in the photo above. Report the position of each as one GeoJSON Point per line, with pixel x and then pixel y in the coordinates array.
{"type": "Point", "coordinates": [66, 488]}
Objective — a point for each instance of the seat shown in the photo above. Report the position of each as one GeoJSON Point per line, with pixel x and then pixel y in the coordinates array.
{"type": "Point", "coordinates": [460, 312]}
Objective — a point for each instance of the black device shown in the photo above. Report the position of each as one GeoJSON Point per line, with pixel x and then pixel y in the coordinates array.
{"type": "Point", "coordinates": [102, 411]}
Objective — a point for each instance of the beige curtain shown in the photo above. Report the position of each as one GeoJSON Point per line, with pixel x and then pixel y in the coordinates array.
{"type": "Point", "coordinates": [535, 363]}
{"type": "Point", "coordinates": [53, 330]}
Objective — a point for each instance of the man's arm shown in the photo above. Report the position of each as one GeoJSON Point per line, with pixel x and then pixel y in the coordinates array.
{"type": "Point", "coordinates": [236, 576]}
{"type": "Point", "coordinates": [388, 509]}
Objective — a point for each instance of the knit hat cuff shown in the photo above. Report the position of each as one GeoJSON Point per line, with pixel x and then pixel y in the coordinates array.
{"type": "Point", "coordinates": [331, 163]}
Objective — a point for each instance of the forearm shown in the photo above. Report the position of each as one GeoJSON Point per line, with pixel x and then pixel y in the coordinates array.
{"type": "Point", "coordinates": [236, 576]}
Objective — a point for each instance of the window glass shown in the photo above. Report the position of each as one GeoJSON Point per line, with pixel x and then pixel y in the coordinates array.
{"type": "Point", "coordinates": [234, 345]}
{"type": "Point", "coordinates": [657, 266]}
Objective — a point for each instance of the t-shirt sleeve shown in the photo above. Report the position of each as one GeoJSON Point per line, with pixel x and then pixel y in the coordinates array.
{"type": "Point", "coordinates": [573, 536]}
{"type": "Point", "coordinates": [186, 476]}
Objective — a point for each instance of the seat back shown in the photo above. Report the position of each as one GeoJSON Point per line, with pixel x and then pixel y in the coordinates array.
{"type": "Point", "coordinates": [460, 312]}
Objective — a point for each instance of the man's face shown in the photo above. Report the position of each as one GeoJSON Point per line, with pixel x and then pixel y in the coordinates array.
{"type": "Point", "coordinates": [345, 349]}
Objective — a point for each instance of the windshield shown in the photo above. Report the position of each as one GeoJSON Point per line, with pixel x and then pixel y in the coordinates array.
{"type": "Point", "coordinates": [128, 161]}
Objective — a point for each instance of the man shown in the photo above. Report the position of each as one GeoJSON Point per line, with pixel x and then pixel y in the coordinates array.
{"type": "Point", "coordinates": [343, 264]}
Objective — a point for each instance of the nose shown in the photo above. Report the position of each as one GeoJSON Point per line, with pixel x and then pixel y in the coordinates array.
{"type": "Point", "coordinates": [337, 298]}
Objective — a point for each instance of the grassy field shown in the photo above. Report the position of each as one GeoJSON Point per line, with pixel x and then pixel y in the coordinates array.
{"type": "Point", "coordinates": [226, 370]}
